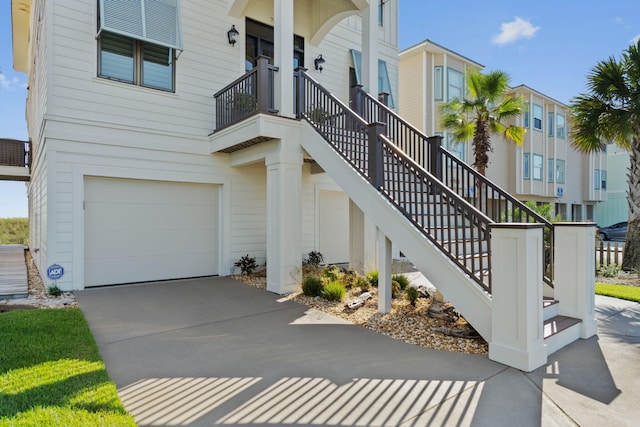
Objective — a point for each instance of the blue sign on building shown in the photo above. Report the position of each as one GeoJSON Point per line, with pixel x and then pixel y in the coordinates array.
{"type": "Point", "coordinates": [55, 271]}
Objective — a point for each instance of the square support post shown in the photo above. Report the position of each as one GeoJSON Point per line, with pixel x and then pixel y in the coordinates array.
{"type": "Point", "coordinates": [574, 273]}
{"type": "Point", "coordinates": [435, 159]}
{"type": "Point", "coordinates": [517, 334]}
{"type": "Point", "coordinates": [284, 213]}
{"type": "Point", "coordinates": [376, 161]}
{"type": "Point", "coordinates": [384, 273]}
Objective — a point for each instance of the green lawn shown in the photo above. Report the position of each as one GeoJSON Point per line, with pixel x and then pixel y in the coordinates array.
{"type": "Point", "coordinates": [51, 373]}
{"type": "Point", "coordinates": [631, 293]}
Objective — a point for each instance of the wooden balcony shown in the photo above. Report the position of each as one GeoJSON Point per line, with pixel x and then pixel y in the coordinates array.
{"type": "Point", "coordinates": [15, 160]}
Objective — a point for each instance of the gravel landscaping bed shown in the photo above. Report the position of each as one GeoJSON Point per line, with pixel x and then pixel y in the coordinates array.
{"type": "Point", "coordinates": [409, 324]}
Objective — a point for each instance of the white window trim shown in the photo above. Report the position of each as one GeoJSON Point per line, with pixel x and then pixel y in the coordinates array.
{"type": "Point", "coordinates": [537, 176]}
{"type": "Point", "coordinates": [526, 166]}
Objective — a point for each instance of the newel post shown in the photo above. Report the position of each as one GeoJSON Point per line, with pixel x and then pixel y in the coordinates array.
{"type": "Point", "coordinates": [262, 84]}
{"type": "Point", "coordinates": [573, 273]}
{"type": "Point", "coordinates": [355, 99]}
{"type": "Point", "coordinates": [517, 334]}
{"type": "Point", "coordinates": [376, 165]}
{"type": "Point", "coordinates": [300, 92]}
{"type": "Point", "coordinates": [435, 158]}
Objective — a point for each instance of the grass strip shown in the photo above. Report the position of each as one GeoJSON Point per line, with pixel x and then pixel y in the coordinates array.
{"type": "Point", "coordinates": [51, 372]}
{"type": "Point", "coordinates": [631, 293]}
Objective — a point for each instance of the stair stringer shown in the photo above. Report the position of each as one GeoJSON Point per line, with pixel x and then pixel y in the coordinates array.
{"type": "Point", "coordinates": [463, 292]}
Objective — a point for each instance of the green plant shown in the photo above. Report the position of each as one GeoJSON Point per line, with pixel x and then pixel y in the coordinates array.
{"type": "Point", "coordinates": [14, 231]}
{"type": "Point", "coordinates": [610, 270]}
{"type": "Point", "coordinates": [334, 291]}
{"type": "Point", "coordinates": [332, 273]}
{"type": "Point", "coordinates": [361, 282]}
{"type": "Point", "coordinates": [395, 289]}
{"type": "Point", "coordinates": [402, 280]}
{"type": "Point", "coordinates": [412, 295]}
{"type": "Point", "coordinates": [312, 286]}
{"type": "Point", "coordinates": [54, 290]}
{"type": "Point", "coordinates": [373, 278]}
{"type": "Point", "coordinates": [315, 259]}
{"type": "Point", "coordinates": [243, 103]}
{"type": "Point", "coordinates": [247, 264]}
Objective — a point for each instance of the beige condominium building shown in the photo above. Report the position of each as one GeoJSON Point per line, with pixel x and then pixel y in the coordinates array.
{"type": "Point", "coordinates": [545, 168]}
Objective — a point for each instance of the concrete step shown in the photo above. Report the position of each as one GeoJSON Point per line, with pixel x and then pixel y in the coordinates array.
{"type": "Point", "coordinates": [560, 331]}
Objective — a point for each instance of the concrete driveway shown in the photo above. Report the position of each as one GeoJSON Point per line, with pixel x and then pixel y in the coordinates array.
{"type": "Point", "coordinates": [214, 351]}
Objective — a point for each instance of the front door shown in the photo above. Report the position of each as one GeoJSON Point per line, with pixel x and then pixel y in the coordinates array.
{"type": "Point", "coordinates": [260, 42]}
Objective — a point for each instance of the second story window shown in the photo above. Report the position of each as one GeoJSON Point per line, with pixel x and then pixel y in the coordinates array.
{"type": "Point", "coordinates": [560, 171]}
{"type": "Point", "coordinates": [596, 179]}
{"type": "Point", "coordinates": [550, 124]}
{"type": "Point", "coordinates": [537, 117]}
{"type": "Point", "coordinates": [603, 178]}
{"type": "Point", "coordinates": [136, 62]}
{"type": "Point", "coordinates": [455, 84]}
{"type": "Point", "coordinates": [138, 40]}
{"type": "Point", "coordinates": [537, 167]}
{"type": "Point", "coordinates": [560, 126]}
{"type": "Point", "coordinates": [437, 82]}
{"type": "Point", "coordinates": [526, 115]}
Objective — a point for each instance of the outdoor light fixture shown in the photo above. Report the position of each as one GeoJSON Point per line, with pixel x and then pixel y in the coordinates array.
{"type": "Point", "coordinates": [233, 34]}
{"type": "Point", "coordinates": [319, 62]}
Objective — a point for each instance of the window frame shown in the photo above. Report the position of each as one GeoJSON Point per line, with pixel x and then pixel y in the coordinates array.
{"type": "Point", "coordinates": [438, 83]}
{"type": "Point", "coordinates": [537, 170]}
{"type": "Point", "coordinates": [596, 179]}
{"type": "Point", "coordinates": [537, 119]}
{"type": "Point", "coordinates": [561, 171]}
{"type": "Point", "coordinates": [551, 170]}
{"type": "Point", "coordinates": [550, 124]}
{"type": "Point", "coordinates": [526, 117]}
{"type": "Point", "coordinates": [603, 179]}
{"type": "Point", "coordinates": [138, 63]}
{"type": "Point", "coordinates": [451, 71]}
{"type": "Point", "coordinates": [526, 165]}
{"type": "Point", "coordinates": [561, 130]}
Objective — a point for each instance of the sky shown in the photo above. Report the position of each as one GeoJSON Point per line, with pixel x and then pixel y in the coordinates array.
{"type": "Point", "coordinates": [549, 45]}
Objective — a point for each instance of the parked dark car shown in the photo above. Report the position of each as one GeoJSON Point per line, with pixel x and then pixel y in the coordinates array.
{"type": "Point", "coordinates": [614, 232]}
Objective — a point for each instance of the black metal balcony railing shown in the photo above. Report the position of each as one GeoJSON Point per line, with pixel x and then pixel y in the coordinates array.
{"type": "Point", "coordinates": [250, 94]}
{"type": "Point", "coordinates": [14, 153]}
{"type": "Point", "coordinates": [458, 176]}
{"type": "Point", "coordinates": [442, 216]}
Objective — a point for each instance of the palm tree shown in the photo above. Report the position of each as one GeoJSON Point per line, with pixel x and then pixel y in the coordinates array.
{"type": "Point", "coordinates": [483, 113]}
{"type": "Point", "coordinates": [610, 111]}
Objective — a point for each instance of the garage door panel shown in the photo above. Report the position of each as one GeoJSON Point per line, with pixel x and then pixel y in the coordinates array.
{"type": "Point", "coordinates": [138, 230]}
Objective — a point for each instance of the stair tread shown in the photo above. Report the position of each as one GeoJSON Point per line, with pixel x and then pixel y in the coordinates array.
{"type": "Point", "coordinates": [548, 301]}
{"type": "Point", "coordinates": [558, 324]}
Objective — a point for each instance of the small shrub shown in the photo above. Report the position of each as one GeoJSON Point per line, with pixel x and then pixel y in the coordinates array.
{"type": "Point", "coordinates": [54, 290]}
{"type": "Point", "coordinates": [315, 259]}
{"type": "Point", "coordinates": [332, 273]}
{"type": "Point", "coordinates": [361, 282]}
{"type": "Point", "coordinates": [412, 295]}
{"type": "Point", "coordinates": [334, 291]}
{"type": "Point", "coordinates": [312, 286]}
{"type": "Point", "coordinates": [611, 270]}
{"type": "Point", "coordinates": [402, 280]}
{"type": "Point", "coordinates": [247, 264]}
{"type": "Point", "coordinates": [395, 289]}
{"type": "Point", "coordinates": [373, 278]}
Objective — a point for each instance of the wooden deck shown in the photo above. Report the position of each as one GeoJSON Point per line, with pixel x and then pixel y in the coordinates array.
{"type": "Point", "coordinates": [13, 272]}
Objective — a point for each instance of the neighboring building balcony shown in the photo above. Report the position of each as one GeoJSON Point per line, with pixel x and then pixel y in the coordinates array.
{"type": "Point", "coordinates": [15, 160]}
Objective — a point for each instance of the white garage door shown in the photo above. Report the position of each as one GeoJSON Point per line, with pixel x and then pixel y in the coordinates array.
{"type": "Point", "coordinates": [137, 231]}
{"type": "Point", "coordinates": [334, 226]}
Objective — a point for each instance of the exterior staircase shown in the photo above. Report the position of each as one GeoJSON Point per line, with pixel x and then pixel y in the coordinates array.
{"type": "Point", "coordinates": [459, 229]}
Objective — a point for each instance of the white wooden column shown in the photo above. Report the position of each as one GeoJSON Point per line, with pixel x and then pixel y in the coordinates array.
{"type": "Point", "coordinates": [574, 273]}
{"type": "Point", "coordinates": [517, 334]}
{"type": "Point", "coordinates": [284, 199]}
{"type": "Point", "coordinates": [362, 241]}
{"type": "Point", "coordinates": [283, 52]}
{"type": "Point", "coordinates": [369, 66]}
{"type": "Point", "coordinates": [384, 273]}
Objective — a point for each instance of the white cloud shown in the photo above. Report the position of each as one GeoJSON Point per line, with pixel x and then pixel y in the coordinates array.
{"type": "Point", "coordinates": [515, 30]}
{"type": "Point", "coordinates": [8, 84]}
